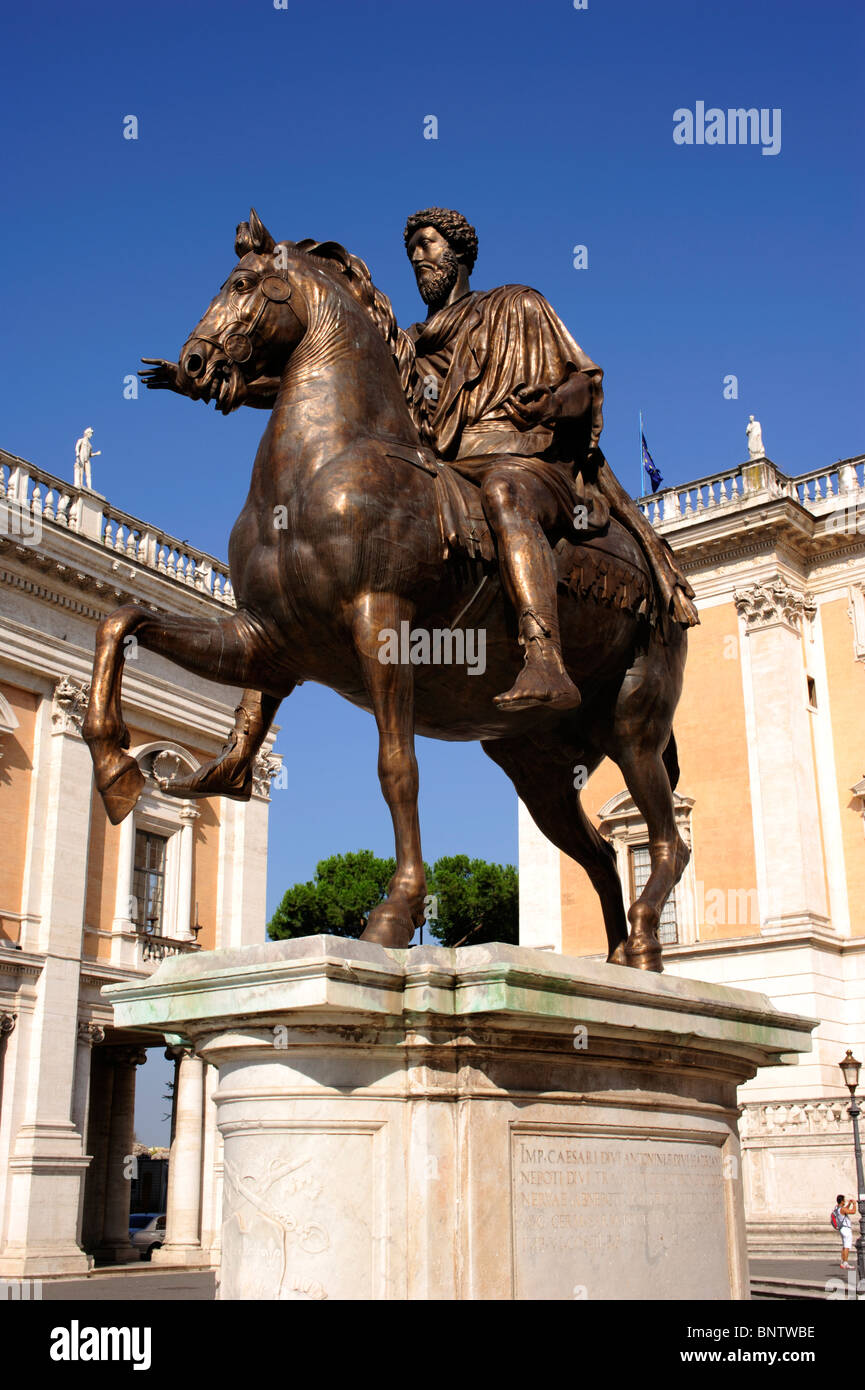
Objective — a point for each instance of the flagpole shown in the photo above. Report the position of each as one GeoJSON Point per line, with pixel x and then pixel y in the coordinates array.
{"type": "Point", "coordinates": [642, 492]}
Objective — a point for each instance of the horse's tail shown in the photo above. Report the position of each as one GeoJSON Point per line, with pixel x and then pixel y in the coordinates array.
{"type": "Point", "coordinates": [670, 757]}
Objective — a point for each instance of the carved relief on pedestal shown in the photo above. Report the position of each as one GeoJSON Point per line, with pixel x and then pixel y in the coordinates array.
{"type": "Point", "coordinates": [764, 605]}
{"type": "Point", "coordinates": [69, 705]}
{"type": "Point", "coordinates": [281, 1208]}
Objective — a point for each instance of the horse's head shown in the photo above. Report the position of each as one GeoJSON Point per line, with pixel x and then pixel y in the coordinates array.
{"type": "Point", "coordinates": [250, 328]}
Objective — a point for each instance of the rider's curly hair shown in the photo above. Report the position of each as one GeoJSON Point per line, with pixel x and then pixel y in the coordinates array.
{"type": "Point", "coordinates": [457, 232]}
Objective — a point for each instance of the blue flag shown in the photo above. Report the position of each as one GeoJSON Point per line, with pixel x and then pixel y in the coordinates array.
{"type": "Point", "coordinates": [654, 476]}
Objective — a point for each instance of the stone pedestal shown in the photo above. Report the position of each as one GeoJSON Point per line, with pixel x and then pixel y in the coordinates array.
{"type": "Point", "coordinates": [487, 1123]}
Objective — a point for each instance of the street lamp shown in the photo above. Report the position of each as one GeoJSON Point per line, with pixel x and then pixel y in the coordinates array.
{"type": "Point", "coordinates": [850, 1071]}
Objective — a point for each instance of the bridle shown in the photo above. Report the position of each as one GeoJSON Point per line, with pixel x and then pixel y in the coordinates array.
{"type": "Point", "coordinates": [236, 339]}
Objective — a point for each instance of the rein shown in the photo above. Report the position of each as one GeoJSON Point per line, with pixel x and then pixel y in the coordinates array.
{"type": "Point", "coordinates": [236, 339]}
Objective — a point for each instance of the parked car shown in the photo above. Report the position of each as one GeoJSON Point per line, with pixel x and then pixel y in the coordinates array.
{"type": "Point", "coordinates": [149, 1237]}
{"type": "Point", "coordinates": [139, 1219]}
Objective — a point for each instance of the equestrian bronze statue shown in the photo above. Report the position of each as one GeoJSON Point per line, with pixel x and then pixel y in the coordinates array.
{"type": "Point", "coordinates": [412, 491]}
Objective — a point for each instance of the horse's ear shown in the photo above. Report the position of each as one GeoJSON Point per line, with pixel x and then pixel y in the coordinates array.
{"type": "Point", "coordinates": [262, 241]}
{"type": "Point", "coordinates": [242, 240]}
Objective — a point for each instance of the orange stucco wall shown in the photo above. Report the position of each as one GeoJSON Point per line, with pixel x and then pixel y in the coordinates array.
{"type": "Point", "coordinates": [713, 756]}
{"type": "Point", "coordinates": [16, 766]}
{"type": "Point", "coordinates": [101, 880]}
{"type": "Point", "coordinates": [846, 678]}
{"type": "Point", "coordinates": [205, 873]}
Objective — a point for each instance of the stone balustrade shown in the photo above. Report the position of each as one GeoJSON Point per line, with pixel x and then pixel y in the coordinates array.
{"type": "Point", "coordinates": [155, 948]}
{"type": "Point", "coordinates": [47, 498]}
{"type": "Point", "coordinates": [43, 497]}
{"type": "Point", "coordinates": [820, 491]}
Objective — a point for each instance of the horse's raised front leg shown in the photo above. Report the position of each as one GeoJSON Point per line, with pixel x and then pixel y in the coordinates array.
{"type": "Point", "coordinates": [391, 691]}
{"type": "Point", "coordinates": [223, 651]}
{"type": "Point", "coordinates": [230, 772]}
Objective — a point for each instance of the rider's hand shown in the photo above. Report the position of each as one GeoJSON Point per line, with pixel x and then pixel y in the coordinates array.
{"type": "Point", "coordinates": [536, 405]}
{"type": "Point", "coordinates": [160, 375]}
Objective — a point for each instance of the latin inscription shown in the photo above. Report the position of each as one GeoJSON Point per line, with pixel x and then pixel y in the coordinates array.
{"type": "Point", "coordinates": [578, 1203]}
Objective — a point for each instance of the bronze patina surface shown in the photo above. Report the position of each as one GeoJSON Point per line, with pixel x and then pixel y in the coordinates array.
{"type": "Point", "coordinates": [445, 480]}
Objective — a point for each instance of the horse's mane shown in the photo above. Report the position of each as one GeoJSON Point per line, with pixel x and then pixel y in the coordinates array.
{"type": "Point", "coordinates": [355, 275]}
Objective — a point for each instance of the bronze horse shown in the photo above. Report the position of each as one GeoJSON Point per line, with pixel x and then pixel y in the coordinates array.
{"type": "Point", "coordinates": [341, 540]}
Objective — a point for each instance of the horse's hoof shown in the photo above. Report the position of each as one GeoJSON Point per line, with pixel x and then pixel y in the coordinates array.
{"type": "Point", "coordinates": [123, 791]}
{"type": "Point", "coordinates": [642, 953]}
{"type": "Point", "coordinates": [617, 957]}
{"type": "Point", "coordinates": [388, 926]}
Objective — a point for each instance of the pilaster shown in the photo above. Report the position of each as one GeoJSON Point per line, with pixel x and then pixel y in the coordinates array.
{"type": "Point", "coordinates": [47, 1161]}
{"type": "Point", "coordinates": [793, 887]}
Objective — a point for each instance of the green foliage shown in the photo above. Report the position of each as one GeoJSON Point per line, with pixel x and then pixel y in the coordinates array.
{"type": "Point", "coordinates": [337, 901]}
{"type": "Point", "coordinates": [471, 901]}
{"type": "Point", "coordinates": [474, 900]}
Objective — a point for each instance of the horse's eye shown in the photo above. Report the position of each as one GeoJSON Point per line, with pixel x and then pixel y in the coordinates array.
{"type": "Point", "coordinates": [240, 284]}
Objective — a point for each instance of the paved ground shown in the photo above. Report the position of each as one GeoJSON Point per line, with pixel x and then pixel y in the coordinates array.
{"type": "Point", "coordinates": [132, 1282]}
{"type": "Point", "coordinates": [802, 1279]}
{"type": "Point", "coordinates": [798, 1269]}
{"type": "Point", "coordinates": [771, 1279]}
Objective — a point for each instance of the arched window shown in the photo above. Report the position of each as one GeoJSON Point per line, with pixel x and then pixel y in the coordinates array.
{"type": "Point", "coordinates": [621, 823]}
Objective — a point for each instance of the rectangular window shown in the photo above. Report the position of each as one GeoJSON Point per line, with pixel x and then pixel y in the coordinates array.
{"type": "Point", "coordinates": [641, 867]}
{"type": "Point", "coordinates": [148, 886]}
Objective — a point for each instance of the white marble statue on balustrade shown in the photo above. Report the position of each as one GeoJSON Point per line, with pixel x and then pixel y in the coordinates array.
{"type": "Point", "coordinates": [754, 431]}
{"type": "Point", "coordinates": [84, 452]}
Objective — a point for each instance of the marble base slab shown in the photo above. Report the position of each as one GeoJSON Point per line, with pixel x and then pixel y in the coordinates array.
{"type": "Point", "coordinates": [492, 1122]}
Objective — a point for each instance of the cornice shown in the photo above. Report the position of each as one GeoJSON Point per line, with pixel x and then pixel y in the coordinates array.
{"type": "Point", "coordinates": [99, 974]}
{"type": "Point", "coordinates": [87, 567]}
{"type": "Point", "coordinates": [29, 586]}
{"type": "Point", "coordinates": [33, 658]}
{"type": "Point", "coordinates": [734, 945]}
{"type": "Point", "coordinates": [14, 962]}
{"type": "Point", "coordinates": [696, 549]}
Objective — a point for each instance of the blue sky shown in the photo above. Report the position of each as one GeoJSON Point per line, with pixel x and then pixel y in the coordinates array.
{"type": "Point", "coordinates": [554, 129]}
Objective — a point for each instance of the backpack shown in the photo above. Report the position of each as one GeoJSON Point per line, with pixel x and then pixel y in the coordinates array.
{"type": "Point", "coordinates": [836, 1219]}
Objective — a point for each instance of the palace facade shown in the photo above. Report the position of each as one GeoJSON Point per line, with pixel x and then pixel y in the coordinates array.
{"type": "Point", "coordinates": [771, 798]}
{"type": "Point", "coordinates": [83, 903]}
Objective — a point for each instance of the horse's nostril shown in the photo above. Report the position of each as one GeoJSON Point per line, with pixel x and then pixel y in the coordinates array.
{"type": "Point", "coordinates": [194, 364]}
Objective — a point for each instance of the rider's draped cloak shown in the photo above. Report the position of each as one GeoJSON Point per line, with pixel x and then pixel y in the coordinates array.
{"type": "Point", "coordinates": [462, 368]}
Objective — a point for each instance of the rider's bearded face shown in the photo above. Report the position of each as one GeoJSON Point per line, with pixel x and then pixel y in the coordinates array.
{"type": "Point", "coordinates": [436, 282]}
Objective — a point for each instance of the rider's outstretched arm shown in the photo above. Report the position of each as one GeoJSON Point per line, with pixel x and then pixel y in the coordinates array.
{"type": "Point", "coordinates": [160, 375]}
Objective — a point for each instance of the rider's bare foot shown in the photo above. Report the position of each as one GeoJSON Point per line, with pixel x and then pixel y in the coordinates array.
{"type": "Point", "coordinates": [542, 681]}
{"type": "Point", "coordinates": [226, 775]}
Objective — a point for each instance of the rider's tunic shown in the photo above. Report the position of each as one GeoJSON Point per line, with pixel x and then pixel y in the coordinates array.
{"type": "Point", "coordinates": [469, 360]}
